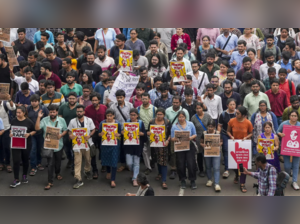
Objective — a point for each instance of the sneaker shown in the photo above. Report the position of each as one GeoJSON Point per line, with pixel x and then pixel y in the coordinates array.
{"type": "Point", "coordinates": [226, 174]}
{"type": "Point", "coordinates": [209, 183]}
{"type": "Point", "coordinates": [183, 184]}
{"type": "Point", "coordinates": [15, 184]}
{"type": "Point", "coordinates": [201, 174]}
{"type": "Point", "coordinates": [78, 184]}
{"type": "Point", "coordinates": [295, 186]}
{"type": "Point", "coordinates": [217, 188]}
{"type": "Point", "coordinates": [88, 175]}
{"type": "Point", "coordinates": [147, 171]}
{"type": "Point", "coordinates": [24, 179]}
{"type": "Point", "coordinates": [173, 175]}
{"type": "Point", "coordinates": [33, 172]}
{"type": "Point", "coordinates": [193, 185]}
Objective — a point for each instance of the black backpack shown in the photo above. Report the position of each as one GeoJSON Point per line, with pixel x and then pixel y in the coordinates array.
{"type": "Point", "coordinates": [281, 182]}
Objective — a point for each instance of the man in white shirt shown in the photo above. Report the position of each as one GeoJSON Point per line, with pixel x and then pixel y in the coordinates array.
{"type": "Point", "coordinates": [106, 62]}
{"type": "Point", "coordinates": [200, 79]}
{"type": "Point", "coordinates": [179, 58]}
{"type": "Point", "coordinates": [28, 71]}
{"type": "Point", "coordinates": [263, 70]}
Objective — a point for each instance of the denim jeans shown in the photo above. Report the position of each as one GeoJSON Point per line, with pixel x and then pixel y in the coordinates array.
{"type": "Point", "coordinates": [163, 170]}
{"type": "Point", "coordinates": [225, 149]}
{"type": "Point", "coordinates": [5, 148]}
{"type": "Point", "coordinates": [213, 163]}
{"type": "Point", "coordinates": [133, 163]}
{"type": "Point", "coordinates": [279, 120]}
{"type": "Point", "coordinates": [254, 149]}
{"type": "Point", "coordinates": [292, 165]}
{"type": "Point", "coordinates": [35, 154]}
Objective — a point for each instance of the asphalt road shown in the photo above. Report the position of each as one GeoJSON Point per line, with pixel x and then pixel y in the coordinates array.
{"type": "Point", "coordinates": [101, 186]}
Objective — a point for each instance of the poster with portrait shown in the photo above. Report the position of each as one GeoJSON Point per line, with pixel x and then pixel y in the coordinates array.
{"type": "Point", "coordinates": [239, 152]}
{"type": "Point", "coordinates": [212, 145]}
{"type": "Point", "coordinates": [131, 133]}
{"type": "Point", "coordinates": [290, 142]}
{"type": "Point", "coordinates": [5, 34]}
{"type": "Point", "coordinates": [51, 138]}
{"type": "Point", "coordinates": [157, 136]}
{"type": "Point", "coordinates": [109, 137]}
{"type": "Point", "coordinates": [4, 90]}
{"type": "Point", "coordinates": [11, 56]}
{"type": "Point", "coordinates": [79, 142]}
{"type": "Point", "coordinates": [18, 141]}
{"type": "Point", "coordinates": [183, 143]}
{"type": "Point", "coordinates": [178, 72]}
{"type": "Point", "coordinates": [125, 60]}
{"type": "Point", "coordinates": [266, 146]}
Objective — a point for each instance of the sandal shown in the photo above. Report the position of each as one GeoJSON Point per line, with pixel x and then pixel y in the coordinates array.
{"type": "Point", "coordinates": [158, 178]}
{"type": "Point", "coordinates": [236, 180]}
{"type": "Point", "coordinates": [95, 175]}
{"type": "Point", "coordinates": [113, 184]}
{"type": "Point", "coordinates": [1, 167]}
{"type": "Point", "coordinates": [40, 167]}
{"type": "Point", "coordinates": [59, 177]}
{"type": "Point", "coordinates": [134, 183]}
{"type": "Point", "coordinates": [32, 172]}
{"type": "Point", "coordinates": [121, 168]}
{"type": "Point", "coordinates": [164, 186]}
{"type": "Point", "coordinates": [9, 169]}
{"type": "Point", "coordinates": [108, 176]}
{"type": "Point", "coordinates": [48, 187]}
{"type": "Point", "coordinates": [243, 188]}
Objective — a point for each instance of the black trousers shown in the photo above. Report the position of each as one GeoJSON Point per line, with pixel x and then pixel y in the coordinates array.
{"type": "Point", "coordinates": [186, 160]}
{"type": "Point", "coordinates": [54, 164]}
{"type": "Point", "coordinates": [97, 141]}
{"type": "Point", "coordinates": [18, 156]}
{"type": "Point", "coordinates": [200, 161]}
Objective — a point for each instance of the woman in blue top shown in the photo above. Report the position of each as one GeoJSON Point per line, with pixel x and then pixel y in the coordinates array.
{"type": "Point", "coordinates": [185, 159]}
{"type": "Point", "coordinates": [106, 37]}
{"type": "Point", "coordinates": [288, 165]}
{"type": "Point", "coordinates": [110, 154]}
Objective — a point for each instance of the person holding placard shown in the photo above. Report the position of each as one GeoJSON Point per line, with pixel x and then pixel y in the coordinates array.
{"type": "Point", "coordinates": [291, 163]}
{"type": "Point", "coordinates": [22, 155]}
{"type": "Point", "coordinates": [185, 159]}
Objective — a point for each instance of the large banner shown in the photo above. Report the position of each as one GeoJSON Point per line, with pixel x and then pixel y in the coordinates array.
{"type": "Point", "coordinates": [157, 136]}
{"type": "Point", "coordinates": [51, 138]}
{"type": "Point", "coordinates": [125, 82]}
{"type": "Point", "coordinates": [290, 142]}
{"type": "Point", "coordinates": [79, 142]}
{"type": "Point", "coordinates": [239, 152]}
{"type": "Point", "coordinates": [212, 145]}
{"type": "Point", "coordinates": [131, 133]}
{"type": "Point", "coordinates": [4, 91]}
{"type": "Point", "coordinates": [11, 56]}
{"type": "Point", "coordinates": [184, 141]}
{"type": "Point", "coordinates": [110, 130]}
{"type": "Point", "coordinates": [5, 34]}
{"type": "Point", "coordinates": [18, 141]}
{"type": "Point", "coordinates": [177, 70]}
{"type": "Point", "coordinates": [266, 146]}
{"type": "Point", "coordinates": [125, 60]}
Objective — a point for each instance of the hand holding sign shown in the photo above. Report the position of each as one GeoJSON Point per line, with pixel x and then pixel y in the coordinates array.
{"type": "Point", "coordinates": [240, 155]}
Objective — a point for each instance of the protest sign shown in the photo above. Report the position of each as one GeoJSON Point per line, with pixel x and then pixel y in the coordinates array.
{"type": "Point", "coordinates": [184, 141]}
{"type": "Point", "coordinates": [110, 130]}
{"type": "Point", "coordinates": [131, 133]}
{"type": "Point", "coordinates": [18, 141]}
{"type": "Point", "coordinates": [4, 91]}
{"type": "Point", "coordinates": [178, 72]}
{"type": "Point", "coordinates": [239, 152]}
{"type": "Point", "coordinates": [5, 34]}
{"type": "Point", "coordinates": [290, 142]}
{"type": "Point", "coordinates": [212, 145]}
{"type": "Point", "coordinates": [79, 142]}
{"type": "Point", "coordinates": [157, 136]}
{"type": "Point", "coordinates": [11, 56]}
{"type": "Point", "coordinates": [266, 146]}
{"type": "Point", "coordinates": [125, 82]}
{"type": "Point", "coordinates": [125, 60]}
{"type": "Point", "coordinates": [51, 138]}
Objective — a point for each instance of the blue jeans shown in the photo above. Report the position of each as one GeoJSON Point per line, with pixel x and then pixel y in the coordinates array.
{"type": "Point", "coordinates": [279, 120]}
{"type": "Point", "coordinates": [133, 163]}
{"type": "Point", "coordinates": [163, 170]}
{"type": "Point", "coordinates": [254, 149]}
{"type": "Point", "coordinates": [35, 154]}
{"type": "Point", "coordinates": [213, 163]}
{"type": "Point", "coordinates": [292, 165]}
{"type": "Point", "coordinates": [225, 150]}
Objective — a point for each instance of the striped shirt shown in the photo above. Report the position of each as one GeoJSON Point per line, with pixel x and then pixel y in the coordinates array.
{"type": "Point", "coordinates": [58, 99]}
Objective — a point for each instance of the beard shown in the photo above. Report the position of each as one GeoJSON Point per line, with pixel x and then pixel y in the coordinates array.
{"type": "Point", "coordinates": [80, 116]}
{"type": "Point", "coordinates": [69, 82]}
{"type": "Point", "coordinates": [101, 58]}
{"type": "Point", "coordinates": [209, 63]}
{"type": "Point", "coordinates": [72, 104]}
{"type": "Point", "coordinates": [53, 117]}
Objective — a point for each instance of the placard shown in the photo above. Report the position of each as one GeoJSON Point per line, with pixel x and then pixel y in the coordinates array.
{"type": "Point", "coordinates": [157, 136]}
{"type": "Point", "coordinates": [131, 133]}
{"type": "Point", "coordinates": [18, 141]}
{"type": "Point", "coordinates": [110, 130]}
{"type": "Point", "coordinates": [4, 90]}
{"type": "Point", "coordinates": [5, 34]}
{"type": "Point", "coordinates": [178, 71]}
{"type": "Point", "coordinates": [79, 142]}
{"type": "Point", "coordinates": [239, 152]}
{"type": "Point", "coordinates": [266, 146]}
{"type": "Point", "coordinates": [51, 138]}
{"type": "Point", "coordinates": [184, 141]}
{"type": "Point", "coordinates": [290, 142]}
{"type": "Point", "coordinates": [11, 56]}
{"type": "Point", "coordinates": [212, 145]}
{"type": "Point", "coordinates": [125, 60]}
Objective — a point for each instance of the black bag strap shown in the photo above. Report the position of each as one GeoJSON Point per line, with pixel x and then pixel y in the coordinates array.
{"type": "Point", "coordinates": [201, 80]}
{"type": "Point", "coordinates": [121, 113]}
{"type": "Point", "coordinates": [176, 117]}
{"type": "Point", "coordinates": [51, 102]}
{"type": "Point", "coordinates": [291, 87]}
{"type": "Point", "coordinates": [227, 42]}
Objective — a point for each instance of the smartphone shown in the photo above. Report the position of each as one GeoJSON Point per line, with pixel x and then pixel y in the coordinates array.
{"type": "Point", "coordinates": [241, 167]}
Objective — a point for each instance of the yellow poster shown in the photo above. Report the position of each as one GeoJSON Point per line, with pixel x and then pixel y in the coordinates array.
{"type": "Point", "coordinates": [79, 142]}
{"type": "Point", "coordinates": [125, 60]}
{"type": "Point", "coordinates": [266, 146]}
{"type": "Point", "coordinates": [110, 130]}
{"type": "Point", "coordinates": [158, 136]}
{"type": "Point", "coordinates": [131, 133]}
{"type": "Point", "coordinates": [178, 71]}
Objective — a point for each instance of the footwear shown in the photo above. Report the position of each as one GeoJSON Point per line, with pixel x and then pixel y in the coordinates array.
{"type": "Point", "coordinates": [24, 179]}
{"type": "Point", "coordinates": [295, 186]}
{"type": "Point", "coordinates": [226, 174]}
{"type": "Point", "coordinates": [69, 164]}
{"type": "Point", "coordinates": [134, 183]}
{"type": "Point", "coordinates": [173, 175]}
{"type": "Point", "coordinates": [112, 184]}
{"type": "Point", "coordinates": [209, 183]}
{"type": "Point", "coordinates": [95, 175]}
{"type": "Point", "coordinates": [9, 169]}
{"type": "Point", "coordinates": [243, 188]}
{"type": "Point", "coordinates": [236, 180]}
{"type": "Point", "coordinates": [48, 187]}
{"type": "Point", "coordinates": [103, 169]}
{"type": "Point", "coordinates": [147, 171]}
{"type": "Point", "coordinates": [32, 172]}
{"type": "Point", "coordinates": [193, 185]}
{"type": "Point", "coordinates": [40, 167]}
{"type": "Point", "coordinates": [15, 184]}
{"type": "Point", "coordinates": [88, 175]}
{"type": "Point", "coordinates": [183, 184]}
{"type": "Point", "coordinates": [217, 188]}
{"type": "Point", "coordinates": [164, 186]}
{"type": "Point", "coordinates": [78, 184]}
{"type": "Point", "coordinates": [201, 174]}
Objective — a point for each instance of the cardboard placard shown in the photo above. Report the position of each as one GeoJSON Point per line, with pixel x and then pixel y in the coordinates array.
{"type": "Point", "coordinates": [184, 141]}
{"type": "Point", "coordinates": [4, 90]}
{"type": "Point", "coordinates": [290, 142]}
{"type": "Point", "coordinates": [157, 136]}
{"type": "Point", "coordinates": [51, 138]}
{"type": "Point", "coordinates": [18, 141]}
{"type": "Point", "coordinates": [110, 130]}
{"type": "Point", "coordinates": [5, 34]}
{"type": "Point", "coordinates": [178, 72]}
{"type": "Point", "coordinates": [125, 60]}
{"type": "Point", "coordinates": [11, 56]}
{"type": "Point", "coordinates": [239, 152]}
{"type": "Point", "coordinates": [212, 145]}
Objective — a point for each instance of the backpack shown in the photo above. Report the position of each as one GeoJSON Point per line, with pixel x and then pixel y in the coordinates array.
{"type": "Point", "coordinates": [200, 47]}
{"type": "Point", "coordinates": [281, 181]}
{"type": "Point", "coordinates": [195, 92]}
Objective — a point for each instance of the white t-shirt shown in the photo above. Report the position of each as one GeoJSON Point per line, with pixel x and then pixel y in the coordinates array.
{"type": "Point", "coordinates": [33, 85]}
{"type": "Point", "coordinates": [105, 96]}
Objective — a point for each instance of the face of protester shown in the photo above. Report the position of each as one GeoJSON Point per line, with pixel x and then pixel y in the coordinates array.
{"type": "Point", "coordinates": [268, 129]}
{"type": "Point", "coordinates": [28, 76]}
{"type": "Point", "coordinates": [210, 60]}
{"type": "Point", "coordinates": [181, 118]}
{"type": "Point", "coordinates": [199, 109]}
{"type": "Point", "coordinates": [284, 33]}
{"type": "Point", "coordinates": [188, 83]}
{"type": "Point", "coordinates": [255, 88]}
{"type": "Point", "coordinates": [101, 54]}
{"type": "Point", "coordinates": [262, 107]}
{"type": "Point", "coordinates": [297, 65]}
{"type": "Point", "coordinates": [275, 87]}
{"type": "Point", "coordinates": [231, 106]}
{"type": "Point", "coordinates": [104, 77]}
{"type": "Point", "coordinates": [247, 31]}
{"type": "Point", "coordinates": [210, 128]}
{"type": "Point", "coordinates": [179, 55]}
{"type": "Point", "coordinates": [133, 34]}
{"type": "Point", "coordinates": [95, 101]}
{"type": "Point", "coordinates": [195, 68]}
{"type": "Point", "coordinates": [80, 113]}
{"type": "Point", "coordinates": [20, 114]}
{"type": "Point", "coordinates": [179, 31]}
{"type": "Point", "coordinates": [210, 92]}
{"type": "Point", "coordinates": [145, 100]}
{"type": "Point", "coordinates": [35, 104]}
{"type": "Point", "coordinates": [215, 82]}
{"type": "Point", "coordinates": [110, 117]}
{"type": "Point", "coordinates": [60, 38]}
{"type": "Point", "coordinates": [144, 75]}
{"type": "Point", "coordinates": [282, 76]}
{"type": "Point", "coordinates": [90, 59]}
{"type": "Point", "coordinates": [251, 55]}
{"type": "Point", "coordinates": [153, 48]}
{"type": "Point", "coordinates": [119, 43]}
{"type": "Point", "coordinates": [287, 48]}
{"type": "Point", "coordinates": [295, 105]}
{"type": "Point", "coordinates": [120, 99]}
{"type": "Point", "coordinates": [223, 68]}
{"type": "Point", "coordinates": [205, 41]}
{"type": "Point", "coordinates": [65, 65]}
{"type": "Point", "coordinates": [231, 76]}
{"type": "Point", "coordinates": [31, 59]}
{"type": "Point", "coordinates": [25, 92]}
{"type": "Point", "coordinates": [139, 91]}
{"type": "Point", "coordinates": [160, 115]}
{"type": "Point", "coordinates": [53, 114]}
{"type": "Point", "coordinates": [188, 98]}
{"type": "Point", "coordinates": [238, 114]}
{"type": "Point", "coordinates": [42, 87]}
{"type": "Point", "coordinates": [72, 100]}
{"type": "Point", "coordinates": [271, 75]}
{"type": "Point", "coordinates": [86, 92]}
{"type": "Point", "coordinates": [136, 58]}
{"type": "Point", "coordinates": [270, 42]}
{"type": "Point", "coordinates": [111, 83]}
{"type": "Point", "coordinates": [70, 79]}
{"type": "Point", "coordinates": [165, 94]}
{"type": "Point", "coordinates": [75, 38]}
{"type": "Point", "coordinates": [44, 40]}
{"type": "Point", "coordinates": [270, 60]}
{"type": "Point", "coordinates": [226, 30]}
{"type": "Point", "coordinates": [247, 65]}
{"type": "Point", "coordinates": [241, 48]}
{"type": "Point", "coordinates": [85, 78]}
{"type": "Point", "coordinates": [50, 89]}
{"type": "Point", "coordinates": [133, 116]}
{"type": "Point", "coordinates": [21, 36]}
{"type": "Point", "coordinates": [293, 117]}
{"type": "Point", "coordinates": [157, 39]}
{"type": "Point", "coordinates": [176, 104]}
{"type": "Point", "coordinates": [227, 88]}
{"type": "Point", "coordinates": [157, 84]}
{"type": "Point", "coordinates": [154, 61]}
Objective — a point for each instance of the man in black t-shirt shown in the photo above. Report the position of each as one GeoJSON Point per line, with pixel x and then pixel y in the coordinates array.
{"type": "Point", "coordinates": [90, 67]}
{"type": "Point", "coordinates": [66, 67]}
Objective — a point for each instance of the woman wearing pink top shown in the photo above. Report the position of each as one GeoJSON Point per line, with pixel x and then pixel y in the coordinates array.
{"type": "Point", "coordinates": [213, 33]}
{"type": "Point", "coordinates": [256, 63]}
{"type": "Point", "coordinates": [180, 37]}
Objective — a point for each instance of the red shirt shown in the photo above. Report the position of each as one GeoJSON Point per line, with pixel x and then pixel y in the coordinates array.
{"type": "Point", "coordinates": [286, 88]}
{"type": "Point", "coordinates": [53, 77]}
{"type": "Point", "coordinates": [185, 38]}
{"type": "Point", "coordinates": [137, 102]}
{"type": "Point", "coordinates": [278, 102]}
{"type": "Point", "coordinates": [96, 116]}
